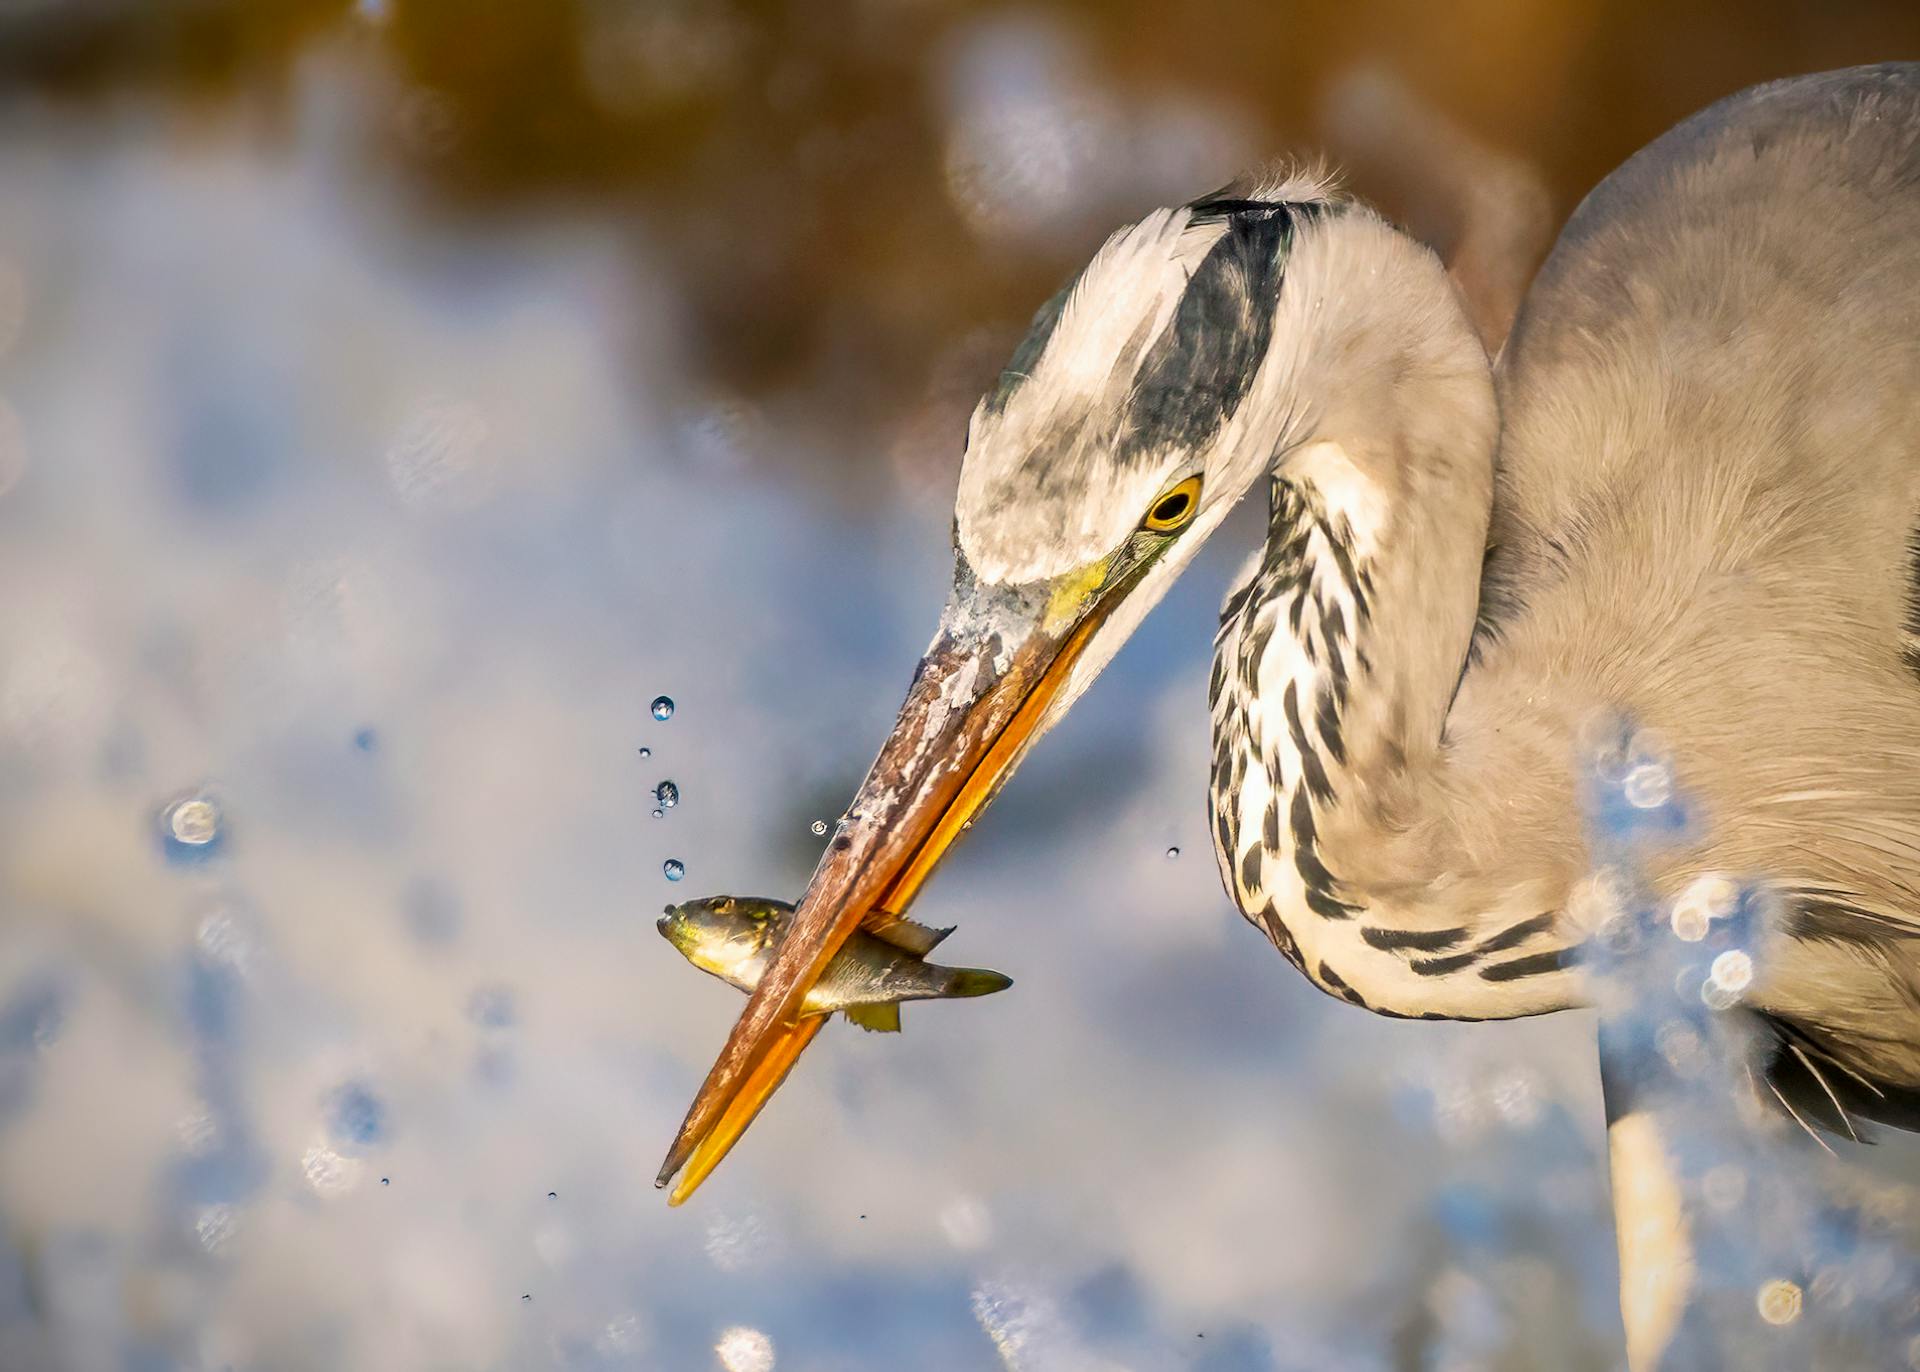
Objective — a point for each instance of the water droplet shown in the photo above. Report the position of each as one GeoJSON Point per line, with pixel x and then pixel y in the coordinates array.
{"type": "Point", "coordinates": [1717, 997]}
{"type": "Point", "coordinates": [199, 1131]}
{"type": "Point", "coordinates": [663, 707]}
{"type": "Point", "coordinates": [1732, 971]}
{"type": "Point", "coordinates": [967, 1224]}
{"type": "Point", "coordinates": [491, 1007]}
{"type": "Point", "coordinates": [659, 814]}
{"type": "Point", "coordinates": [623, 1334]}
{"type": "Point", "coordinates": [214, 1225]}
{"type": "Point", "coordinates": [674, 869]}
{"type": "Point", "coordinates": [356, 1117]}
{"type": "Point", "coordinates": [1724, 1187]}
{"type": "Point", "coordinates": [527, 1297]}
{"type": "Point", "coordinates": [1681, 1047]}
{"type": "Point", "coordinates": [1516, 1098]}
{"type": "Point", "coordinates": [744, 1350]}
{"type": "Point", "coordinates": [1689, 921]}
{"type": "Point", "coordinates": [1647, 786]}
{"type": "Point", "coordinates": [667, 794]}
{"type": "Point", "coordinates": [555, 1245]}
{"type": "Point", "coordinates": [191, 827]}
{"type": "Point", "coordinates": [553, 1195]}
{"type": "Point", "coordinates": [819, 827]}
{"type": "Point", "coordinates": [432, 911]}
{"type": "Point", "coordinates": [646, 752]}
{"type": "Point", "coordinates": [328, 1172]}
{"type": "Point", "coordinates": [366, 740]}
{"type": "Point", "coordinates": [736, 1243]}
{"type": "Point", "coordinates": [386, 1181]}
{"type": "Point", "coordinates": [194, 822]}
{"type": "Point", "coordinates": [1779, 1301]}
{"type": "Point", "coordinates": [1598, 902]}
{"type": "Point", "coordinates": [1712, 893]}
{"type": "Point", "coordinates": [440, 456]}
{"type": "Point", "coordinates": [1173, 852]}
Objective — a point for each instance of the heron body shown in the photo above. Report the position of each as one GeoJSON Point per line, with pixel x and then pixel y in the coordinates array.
{"type": "Point", "coordinates": [1702, 516]}
{"type": "Point", "coordinates": [1687, 496]}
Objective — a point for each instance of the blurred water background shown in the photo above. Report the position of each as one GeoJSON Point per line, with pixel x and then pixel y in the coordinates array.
{"type": "Point", "coordinates": [397, 397]}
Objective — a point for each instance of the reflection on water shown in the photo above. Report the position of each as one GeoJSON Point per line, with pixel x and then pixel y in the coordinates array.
{"type": "Point", "coordinates": [349, 539]}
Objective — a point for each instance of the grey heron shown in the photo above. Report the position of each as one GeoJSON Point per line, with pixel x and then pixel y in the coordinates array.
{"type": "Point", "coordinates": [1688, 491]}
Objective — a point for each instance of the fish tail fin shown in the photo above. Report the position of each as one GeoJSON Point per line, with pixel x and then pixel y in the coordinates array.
{"type": "Point", "coordinates": [975, 981]}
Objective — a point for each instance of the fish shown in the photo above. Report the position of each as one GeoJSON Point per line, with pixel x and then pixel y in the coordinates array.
{"type": "Point", "coordinates": [734, 938]}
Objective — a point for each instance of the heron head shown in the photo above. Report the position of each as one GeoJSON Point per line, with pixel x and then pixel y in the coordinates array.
{"type": "Point", "coordinates": [1138, 408]}
{"type": "Point", "coordinates": [1121, 431]}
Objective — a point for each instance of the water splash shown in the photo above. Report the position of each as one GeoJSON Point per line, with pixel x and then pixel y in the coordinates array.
{"type": "Point", "coordinates": [1792, 1266]}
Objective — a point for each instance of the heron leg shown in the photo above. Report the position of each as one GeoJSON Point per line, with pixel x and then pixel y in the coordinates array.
{"type": "Point", "coordinates": [1651, 1225]}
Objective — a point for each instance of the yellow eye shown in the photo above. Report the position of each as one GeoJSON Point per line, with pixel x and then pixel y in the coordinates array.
{"type": "Point", "coordinates": [1173, 508]}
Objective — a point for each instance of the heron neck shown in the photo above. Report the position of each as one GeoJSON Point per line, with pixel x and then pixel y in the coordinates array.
{"type": "Point", "coordinates": [1344, 825]}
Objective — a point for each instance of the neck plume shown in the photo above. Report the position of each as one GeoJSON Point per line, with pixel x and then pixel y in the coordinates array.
{"type": "Point", "coordinates": [1348, 823]}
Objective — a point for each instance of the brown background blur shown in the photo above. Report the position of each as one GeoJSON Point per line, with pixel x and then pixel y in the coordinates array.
{"type": "Point", "coordinates": [785, 156]}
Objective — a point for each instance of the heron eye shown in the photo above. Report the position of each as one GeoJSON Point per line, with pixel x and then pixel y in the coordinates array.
{"type": "Point", "coordinates": [1174, 507]}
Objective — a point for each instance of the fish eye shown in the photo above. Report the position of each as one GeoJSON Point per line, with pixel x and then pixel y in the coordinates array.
{"type": "Point", "coordinates": [722, 904]}
{"type": "Point", "coordinates": [1172, 509]}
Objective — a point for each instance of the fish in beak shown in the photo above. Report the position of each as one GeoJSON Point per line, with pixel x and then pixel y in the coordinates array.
{"type": "Point", "coordinates": [1083, 473]}
{"type": "Point", "coordinates": [986, 689]}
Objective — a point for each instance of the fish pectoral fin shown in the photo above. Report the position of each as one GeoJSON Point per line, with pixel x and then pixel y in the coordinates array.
{"type": "Point", "coordinates": [910, 937]}
{"type": "Point", "coordinates": [876, 1019]}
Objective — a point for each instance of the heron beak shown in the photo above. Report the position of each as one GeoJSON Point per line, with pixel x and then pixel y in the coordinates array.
{"type": "Point", "coordinates": [980, 696]}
